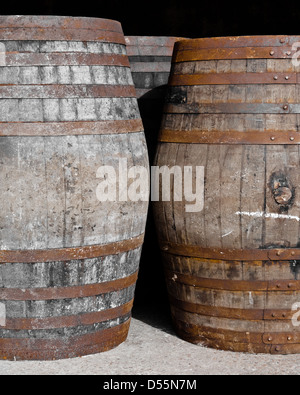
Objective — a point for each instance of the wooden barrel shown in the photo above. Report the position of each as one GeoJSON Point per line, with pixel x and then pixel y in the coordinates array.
{"type": "Point", "coordinates": [68, 259]}
{"type": "Point", "coordinates": [150, 60]}
{"type": "Point", "coordinates": [231, 248]}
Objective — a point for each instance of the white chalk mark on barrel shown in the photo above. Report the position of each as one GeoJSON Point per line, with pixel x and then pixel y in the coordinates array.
{"type": "Point", "coordinates": [261, 214]}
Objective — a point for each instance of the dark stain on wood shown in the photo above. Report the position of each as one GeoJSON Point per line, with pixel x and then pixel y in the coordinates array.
{"type": "Point", "coordinates": [283, 190]}
{"type": "Point", "coordinates": [295, 268]}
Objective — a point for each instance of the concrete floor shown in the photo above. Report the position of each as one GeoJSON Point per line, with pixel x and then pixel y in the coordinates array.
{"type": "Point", "coordinates": [152, 348]}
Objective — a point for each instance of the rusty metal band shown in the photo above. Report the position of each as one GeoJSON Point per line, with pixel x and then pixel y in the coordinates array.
{"type": "Point", "coordinates": [67, 254]}
{"type": "Point", "coordinates": [62, 22]}
{"type": "Point", "coordinates": [46, 349]}
{"type": "Point", "coordinates": [233, 108]}
{"type": "Point", "coordinates": [237, 42]}
{"type": "Point", "coordinates": [233, 79]}
{"type": "Point", "coordinates": [66, 91]}
{"type": "Point", "coordinates": [224, 339]}
{"type": "Point", "coordinates": [222, 312]}
{"type": "Point", "coordinates": [68, 321]}
{"type": "Point", "coordinates": [233, 285]}
{"type": "Point", "coordinates": [58, 34]}
{"type": "Point", "coordinates": [74, 292]}
{"type": "Point", "coordinates": [229, 137]}
{"type": "Point", "coordinates": [77, 128]}
{"type": "Point", "coordinates": [65, 59]}
{"type": "Point", "coordinates": [281, 338]}
{"type": "Point", "coordinates": [234, 53]}
{"type": "Point", "coordinates": [226, 254]}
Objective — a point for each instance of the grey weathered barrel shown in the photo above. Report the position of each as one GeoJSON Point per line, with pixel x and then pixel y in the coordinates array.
{"type": "Point", "coordinates": [150, 60]}
{"type": "Point", "coordinates": [68, 261]}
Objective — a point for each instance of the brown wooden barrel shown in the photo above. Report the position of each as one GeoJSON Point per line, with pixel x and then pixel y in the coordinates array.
{"type": "Point", "coordinates": [68, 260]}
{"type": "Point", "coordinates": [232, 266]}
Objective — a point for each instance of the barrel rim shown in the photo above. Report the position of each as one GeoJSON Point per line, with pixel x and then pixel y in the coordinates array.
{"type": "Point", "coordinates": [152, 41]}
{"type": "Point", "coordinates": [236, 41]}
